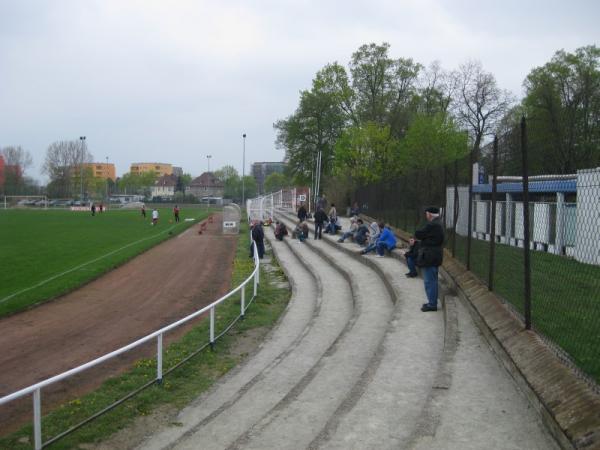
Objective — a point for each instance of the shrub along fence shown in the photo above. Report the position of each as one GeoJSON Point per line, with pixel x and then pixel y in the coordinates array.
{"type": "Point", "coordinates": [532, 239]}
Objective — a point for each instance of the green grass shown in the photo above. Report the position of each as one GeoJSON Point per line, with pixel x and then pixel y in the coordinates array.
{"type": "Point", "coordinates": [565, 296]}
{"type": "Point", "coordinates": [180, 386]}
{"type": "Point", "coordinates": [39, 245]}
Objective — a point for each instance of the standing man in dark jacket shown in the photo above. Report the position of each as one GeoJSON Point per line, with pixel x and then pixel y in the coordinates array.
{"type": "Point", "coordinates": [258, 236]}
{"type": "Point", "coordinates": [302, 214]}
{"type": "Point", "coordinates": [430, 255]}
{"type": "Point", "coordinates": [320, 219]}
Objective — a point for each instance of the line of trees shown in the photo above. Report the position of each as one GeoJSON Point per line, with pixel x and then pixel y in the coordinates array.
{"type": "Point", "coordinates": [380, 117]}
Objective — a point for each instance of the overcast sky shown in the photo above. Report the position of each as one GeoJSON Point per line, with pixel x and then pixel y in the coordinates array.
{"type": "Point", "coordinates": [174, 81]}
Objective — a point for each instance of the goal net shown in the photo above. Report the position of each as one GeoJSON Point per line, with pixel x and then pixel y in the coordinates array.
{"type": "Point", "coordinates": [25, 201]}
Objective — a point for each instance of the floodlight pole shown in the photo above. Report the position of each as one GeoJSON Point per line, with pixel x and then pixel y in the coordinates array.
{"type": "Point", "coordinates": [107, 179]}
{"type": "Point", "coordinates": [82, 139]}
{"type": "Point", "coordinates": [208, 161]}
{"type": "Point", "coordinates": [243, 170]}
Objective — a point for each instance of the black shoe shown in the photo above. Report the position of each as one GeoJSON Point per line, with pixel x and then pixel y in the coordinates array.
{"type": "Point", "coordinates": [411, 274]}
{"type": "Point", "coordinates": [427, 308]}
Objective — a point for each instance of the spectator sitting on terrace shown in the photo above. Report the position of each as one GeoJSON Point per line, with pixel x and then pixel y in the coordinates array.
{"type": "Point", "coordinates": [301, 231]}
{"type": "Point", "coordinates": [331, 228]}
{"type": "Point", "coordinates": [355, 210]}
{"type": "Point", "coordinates": [387, 240]}
{"type": "Point", "coordinates": [351, 232]}
{"type": "Point", "coordinates": [373, 236]}
{"type": "Point", "coordinates": [360, 237]}
{"type": "Point", "coordinates": [280, 231]}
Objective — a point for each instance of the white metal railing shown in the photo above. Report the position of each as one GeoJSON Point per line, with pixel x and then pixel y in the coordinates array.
{"type": "Point", "coordinates": [36, 389]}
{"type": "Point", "coordinates": [263, 207]}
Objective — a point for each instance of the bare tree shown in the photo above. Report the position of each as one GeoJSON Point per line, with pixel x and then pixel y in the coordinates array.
{"type": "Point", "coordinates": [479, 103]}
{"type": "Point", "coordinates": [17, 156]}
{"type": "Point", "coordinates": [437, 89]}
{"type": "Point", "coordinates": [63, 165]}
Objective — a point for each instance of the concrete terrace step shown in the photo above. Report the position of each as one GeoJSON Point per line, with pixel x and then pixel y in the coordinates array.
{"type": "Point", "coordinates": [460, 398]}
{"type": "Point", "coordinates": [243, 406]}
{"type": "Point", "coordinates": [394, 392]}
{"type": "Point", "coordinates": [300, 419]}
{"type": "Point", "coordinates": [354, 364]}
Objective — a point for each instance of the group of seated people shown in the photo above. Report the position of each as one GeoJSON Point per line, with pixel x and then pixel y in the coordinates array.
{"type": "Point", "coordinates": [375, 237]}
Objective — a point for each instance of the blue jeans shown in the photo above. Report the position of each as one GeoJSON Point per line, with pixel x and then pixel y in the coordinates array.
{"type": "Point", "coordinates": [410, 262]}
{"type": "Point", "coordinates": [370, 248]}
{"type": "Point", "coordinates": [381, 247]}
{"type": "Point", "coordinates": [430, 277]}
{"type": "Point", "coordinates": [346, 235]}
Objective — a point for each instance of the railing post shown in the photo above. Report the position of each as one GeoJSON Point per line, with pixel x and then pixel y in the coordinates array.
{"type": "Point", "coordinates": [37, 419]}
{"type": "Point", "coordinates": [243, 302]}
{"type": "Point", "coordinates": [255, 283]}
{"type": "Point", "coordinates": [470, 209]}
{"type": "Point", "coordinates": [159, 358]}
{"type": "Point", "coordinates": [526, 250]}
{"type": "Point", "coordinates": [212, 327]}
{"type": "Point", "coordinates": [492, 265]}
{"type": "Point", "coordinates": [456, 210]}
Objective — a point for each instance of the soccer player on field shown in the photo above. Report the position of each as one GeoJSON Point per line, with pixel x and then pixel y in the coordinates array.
{"type": "Point", "coordinates": [154, 216]}
{"type": "Point", "coordinates": [176, 213]}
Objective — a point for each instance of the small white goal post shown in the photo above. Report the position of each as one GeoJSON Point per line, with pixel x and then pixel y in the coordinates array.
{"type": "Point", "coordinates": [25, 201]}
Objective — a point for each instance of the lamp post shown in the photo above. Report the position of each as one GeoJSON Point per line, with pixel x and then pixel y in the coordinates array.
{"type": "Point", "coordinates": [82, 139]}
{"type": "Point", "coordinates": [243, 170]}
{"type": "Point", "coordinates": [208, 161]}
{"type": "Point", "coordinates": [107, 179]}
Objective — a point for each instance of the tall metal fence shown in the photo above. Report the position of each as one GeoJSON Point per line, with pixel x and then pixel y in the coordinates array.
{"type": "Point", "coordinates": [532, 239]}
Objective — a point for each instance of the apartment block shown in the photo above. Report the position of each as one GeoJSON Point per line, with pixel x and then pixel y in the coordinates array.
{"type": "Point", "coordinates": [101, 170]}
{"type": "Point", "coordinates": [160, 168]}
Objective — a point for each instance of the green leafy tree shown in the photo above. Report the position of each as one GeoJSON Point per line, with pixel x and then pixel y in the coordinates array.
{"type": "Point", "coordinates": [367, 153]}
{"type": "Point", "coordinates": [432, 141]}
{"type": "Point", "coordinates": [563, 105]}
{"type": "Point", "coordinates": [232, 182]}
{"type": "Point", "coordinates": [225, 173]}
{"type": "Point", "coordinates": [384, 87]}
{"type": "Point", "coordinates": [275, 182]}
{"type": "Point", "coordinates": [251, 189]}
{"type": "Point", "coordinates": [314, 127]}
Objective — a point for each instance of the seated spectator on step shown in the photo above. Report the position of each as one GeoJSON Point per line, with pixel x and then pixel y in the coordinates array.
{"type": "Point", "coordinates": [301, 231]}
{"type": "Point", "coordinates": [280, 231]}
{"type": "Point", "coordinates": [351, 231]}
{"type": "Point", "coordinates": [362, 231]}
{"type": "Point", "coordinates": [355, 210]}
{"type": "Point", "coordinates": [333, 226]}
{"type": "Point", "coordinates": [373, 236]}
{"type": "Point", "coordinates": [386, 241]}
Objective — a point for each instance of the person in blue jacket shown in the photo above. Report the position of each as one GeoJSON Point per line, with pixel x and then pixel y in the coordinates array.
{"type": "Point", "coordinates": [387, 240]}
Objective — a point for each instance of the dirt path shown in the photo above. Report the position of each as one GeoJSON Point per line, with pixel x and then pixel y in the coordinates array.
{"type": "Point", "coordinates": [165, 283]}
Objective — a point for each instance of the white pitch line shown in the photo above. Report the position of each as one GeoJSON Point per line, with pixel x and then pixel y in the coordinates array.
{"type": "Point", "coordinates": [41, 283]}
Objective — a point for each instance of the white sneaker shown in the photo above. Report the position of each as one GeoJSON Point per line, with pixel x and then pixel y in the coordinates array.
{"type": "Point", "coordinates": [379, 256]}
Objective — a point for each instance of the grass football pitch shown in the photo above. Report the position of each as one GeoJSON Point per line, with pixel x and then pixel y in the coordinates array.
{"type": "Point", "coordinates": [48, 253]}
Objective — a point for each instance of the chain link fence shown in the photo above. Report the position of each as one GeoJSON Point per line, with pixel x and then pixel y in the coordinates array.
{"type": "Point", "coordinates": [534, 239]}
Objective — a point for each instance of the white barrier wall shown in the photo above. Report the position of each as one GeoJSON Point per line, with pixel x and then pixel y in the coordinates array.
{"type": "Point", "coordinates": [587, 248]}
